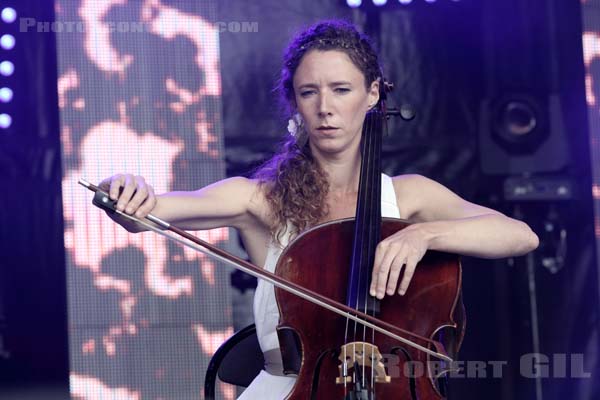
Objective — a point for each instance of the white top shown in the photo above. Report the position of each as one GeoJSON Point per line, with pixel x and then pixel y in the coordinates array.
{"type": "Point", "coordinates": [266, 314]}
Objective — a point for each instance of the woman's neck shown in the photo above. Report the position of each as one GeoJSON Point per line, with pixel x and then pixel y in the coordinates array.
{"type": "Point", "coordinates": [343, 172]}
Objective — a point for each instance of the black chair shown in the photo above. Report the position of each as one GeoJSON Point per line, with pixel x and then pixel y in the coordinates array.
{"type": "Point", "coordinates": [238, 361]}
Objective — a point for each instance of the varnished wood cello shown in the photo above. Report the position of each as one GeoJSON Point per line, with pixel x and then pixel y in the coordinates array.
{"type": "Point", "coordinates": [337, 359]}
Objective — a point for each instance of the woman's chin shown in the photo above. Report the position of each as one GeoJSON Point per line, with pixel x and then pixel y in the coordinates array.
{"type": "Point", "coordinates": [330, 145]}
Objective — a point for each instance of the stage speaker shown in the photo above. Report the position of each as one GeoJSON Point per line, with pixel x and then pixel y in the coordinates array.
{"type": "Point", "coordinates": [522, 133]}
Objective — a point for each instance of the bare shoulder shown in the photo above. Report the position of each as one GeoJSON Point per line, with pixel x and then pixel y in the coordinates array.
{"type": "Point", "coordinates": [409, 189]}
{"type": "Point", "coordinates": [422, 199]}
{"type": "Point", "coordinates": [251, 194]}
{"type": "Point", "coordinates": [414, 183]}
{"type": "Point", "coordinates": [239, 187]}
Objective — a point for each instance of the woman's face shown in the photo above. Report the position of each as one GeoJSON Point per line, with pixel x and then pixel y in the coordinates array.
{"type": "Point", "coordinates": [331, 97]}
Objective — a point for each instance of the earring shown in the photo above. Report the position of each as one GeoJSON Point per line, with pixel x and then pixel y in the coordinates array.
{"type": "Point", "coordinates": [295, 124]}
{"type": "Point", "coordinates": [296, 129]}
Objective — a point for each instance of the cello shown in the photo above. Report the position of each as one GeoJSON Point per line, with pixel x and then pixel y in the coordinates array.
{"type": "Point", "coordinates": [362, 352]}
{"type": "Point", "coordinates": [337, 359]}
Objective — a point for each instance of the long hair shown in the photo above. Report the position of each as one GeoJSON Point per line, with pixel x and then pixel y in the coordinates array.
{"type": "Point", "coordinates": [294, 184]}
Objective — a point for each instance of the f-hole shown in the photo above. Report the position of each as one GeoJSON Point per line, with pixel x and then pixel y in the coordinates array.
{"type": "Point", "coordinates": [315, 383]}
{"type": "Point", "coordinates": [411, 374]}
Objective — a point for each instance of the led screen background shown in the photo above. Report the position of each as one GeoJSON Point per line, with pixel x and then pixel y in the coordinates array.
{"type": "Point", "coordinates": [139, 91]}
{"type": "Point", "coordinates": [591, 50]}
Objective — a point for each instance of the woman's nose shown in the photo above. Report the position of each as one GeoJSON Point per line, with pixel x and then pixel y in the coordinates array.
{"type": "Point", "coordinates": [324, 105]}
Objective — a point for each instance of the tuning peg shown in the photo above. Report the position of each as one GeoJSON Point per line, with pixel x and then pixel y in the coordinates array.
{"type": "Point", "coordinates": [389, 86]}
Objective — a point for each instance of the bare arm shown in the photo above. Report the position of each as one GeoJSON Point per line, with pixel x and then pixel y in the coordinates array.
{"type": "Point", "coordinates": [230, 202]}
{"type": "Point", "coordinates": [455, 225]}
{"type": "Point", "coordinates": [442, 221]}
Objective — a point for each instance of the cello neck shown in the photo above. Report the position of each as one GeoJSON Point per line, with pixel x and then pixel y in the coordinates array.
{"type": "Point", "coordinates": [367, 227]}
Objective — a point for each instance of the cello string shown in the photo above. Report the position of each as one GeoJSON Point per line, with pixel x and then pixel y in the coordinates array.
{"type": "Point", "coordinates": [344, 365]}
{"type": "Point", "coordinates": [370, 197]}
{"type": "Point", "coordinates": [377, 226]}
{"type": "Point", "coordinates": [362, 212]}
{"type": "Point", "coordinates": [375, 204]}
{"type": "Point", "coordinates": [358, 233]}
{"type": "Point", "coordinates": [364, 201]}
{"type": "Point", "coordinates": [375, 221]}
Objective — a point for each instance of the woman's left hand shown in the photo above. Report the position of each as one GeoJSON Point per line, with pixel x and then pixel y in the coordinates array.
{"type": "Point", "coordinates": [400, 251]}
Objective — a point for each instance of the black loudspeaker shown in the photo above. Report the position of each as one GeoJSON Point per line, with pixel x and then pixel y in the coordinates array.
{"type": "Point", "coordinates": [522, 133]}
{"type": "Point", "coordinates": [521, 120]}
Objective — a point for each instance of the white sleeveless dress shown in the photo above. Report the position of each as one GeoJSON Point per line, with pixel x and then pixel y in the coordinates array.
{"type": "Point", "coordinates": [266, 314]}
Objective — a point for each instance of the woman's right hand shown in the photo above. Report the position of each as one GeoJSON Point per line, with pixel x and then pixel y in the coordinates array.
{"type": "Point", "coordinates": [134, 195]}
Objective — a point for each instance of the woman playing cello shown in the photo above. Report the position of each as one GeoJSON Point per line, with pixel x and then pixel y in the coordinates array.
{"type": "Point", "coordinates": [330, 79]}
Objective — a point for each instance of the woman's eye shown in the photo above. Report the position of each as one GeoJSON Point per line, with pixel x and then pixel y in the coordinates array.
{"type": "Point", "coordinates": [306, 93]}
{"type": "Point", "coordinates": [342, 90]}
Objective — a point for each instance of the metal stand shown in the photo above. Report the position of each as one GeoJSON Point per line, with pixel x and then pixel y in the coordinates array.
{"type": "Point", "coordinates": [552, 259]}
{"type": "Point", "coordinates": [535, 333]}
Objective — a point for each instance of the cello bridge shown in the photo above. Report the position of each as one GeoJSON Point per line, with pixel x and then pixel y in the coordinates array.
{"type": "Point", "coordinates": [361, 354]}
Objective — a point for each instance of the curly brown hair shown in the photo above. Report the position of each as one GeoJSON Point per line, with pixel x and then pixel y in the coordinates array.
{"type": "Point", "coordinates": [294, 184]}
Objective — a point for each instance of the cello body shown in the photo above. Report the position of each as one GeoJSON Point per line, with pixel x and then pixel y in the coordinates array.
{"type": "Point", "coordinates": [311, 337]}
